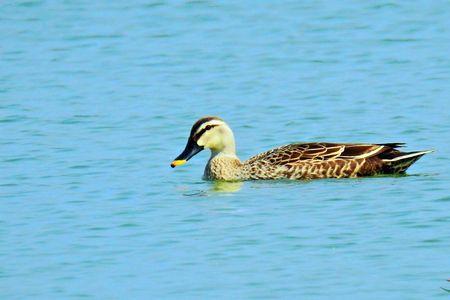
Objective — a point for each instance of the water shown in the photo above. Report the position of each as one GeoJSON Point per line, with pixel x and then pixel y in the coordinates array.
{"type": "Point", "coordinates": [96, 99]}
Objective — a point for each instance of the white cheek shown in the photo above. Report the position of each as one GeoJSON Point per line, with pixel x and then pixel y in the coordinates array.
{"type": "Point", "coordinates": [206, 140]}
{"type": "Point", "coordinates": [209, 140]}
{"type": "Point", "coordinates": [215, 143]}
{"type": "Point", "coordinates": [201, 141]}
{"type": "Point", "coordinates": [212, 142]}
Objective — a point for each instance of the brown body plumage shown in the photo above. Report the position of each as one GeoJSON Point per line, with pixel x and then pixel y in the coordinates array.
{"type": "Point", "coordinates": [328, 160]}
{"type": "Point", "coordinates": [294, 161]}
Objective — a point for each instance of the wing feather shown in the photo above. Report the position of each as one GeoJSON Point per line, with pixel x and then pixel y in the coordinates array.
{"type": "Point", "coordinates": [297, 153]}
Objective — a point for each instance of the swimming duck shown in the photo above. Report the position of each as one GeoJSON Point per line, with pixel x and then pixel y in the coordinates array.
{"type": "Point", "coordinates": [293, 161]}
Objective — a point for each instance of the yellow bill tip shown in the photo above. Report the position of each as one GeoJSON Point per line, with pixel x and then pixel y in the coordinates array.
{"type": "Point", "coordinates": [176, 163]}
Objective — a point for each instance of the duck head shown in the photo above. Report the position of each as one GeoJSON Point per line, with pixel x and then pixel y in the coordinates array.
{"type": "Point", "coordinates": [210, 133]}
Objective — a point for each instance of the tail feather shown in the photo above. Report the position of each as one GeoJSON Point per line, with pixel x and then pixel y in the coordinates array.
{"type": "Point", "coordinates": [393, 145]}
{"type": "Point", "coordinates": [402, 161]}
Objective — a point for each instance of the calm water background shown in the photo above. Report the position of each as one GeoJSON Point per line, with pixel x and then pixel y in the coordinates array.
{"type": "Point", "coordinates": [97, 98]}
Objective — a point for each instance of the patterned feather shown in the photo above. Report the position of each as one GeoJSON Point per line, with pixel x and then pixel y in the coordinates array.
{"type": "Point", "coordinates": [324, 160]}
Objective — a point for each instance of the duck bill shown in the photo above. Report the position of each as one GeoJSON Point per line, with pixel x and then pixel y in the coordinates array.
{"type": "Point", "coordinates": [191, 149]}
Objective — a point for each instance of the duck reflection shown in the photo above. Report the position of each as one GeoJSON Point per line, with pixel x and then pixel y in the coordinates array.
{"type": "Point", "coordinates": [226, 186]}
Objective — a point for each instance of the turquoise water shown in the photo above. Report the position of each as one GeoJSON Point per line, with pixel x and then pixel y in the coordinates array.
{"type": "Point", "coordinates": [96, 100]}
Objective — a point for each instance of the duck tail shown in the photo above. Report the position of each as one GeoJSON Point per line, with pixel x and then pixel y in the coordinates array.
{"type": "Point", "coordinates": [397, 164]}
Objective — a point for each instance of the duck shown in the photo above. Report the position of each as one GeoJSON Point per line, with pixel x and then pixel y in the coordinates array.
{"type": "Point", "coordinates": [312, 160]}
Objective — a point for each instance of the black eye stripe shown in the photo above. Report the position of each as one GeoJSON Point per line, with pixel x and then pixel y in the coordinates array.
{"type": "Point", "coordinates": [201, 132]}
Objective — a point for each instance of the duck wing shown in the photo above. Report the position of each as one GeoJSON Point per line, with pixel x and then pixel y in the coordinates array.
{"type": "Point", "coordinates": [293, 153]}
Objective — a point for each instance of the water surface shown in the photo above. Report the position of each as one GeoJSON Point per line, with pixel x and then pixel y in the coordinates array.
{"type": "Point", "coordinates": [96, 99]}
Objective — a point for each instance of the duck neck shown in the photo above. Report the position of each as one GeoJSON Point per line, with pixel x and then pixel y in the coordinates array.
{"type": "Point", "coordinates": [223, 165]}
{"type": "Point", "coordinates": [226, 146]}
{"type": "Point", "coordinates": [224, 154]}
{"type": "Point", "coordinates": [227, 150]}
